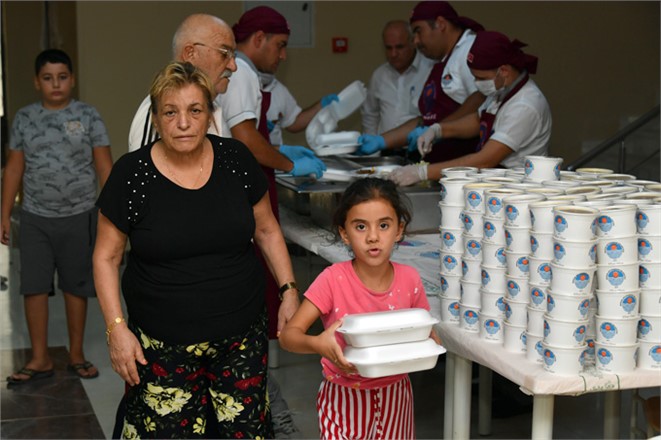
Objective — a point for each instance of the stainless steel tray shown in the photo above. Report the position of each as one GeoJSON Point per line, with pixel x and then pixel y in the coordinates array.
{"type": "Point", "coordinates": [318, 198]}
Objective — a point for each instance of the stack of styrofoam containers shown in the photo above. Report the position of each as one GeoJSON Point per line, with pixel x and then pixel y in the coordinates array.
{"type": "Point", "coordinates": [492, 294]}
{"type": "Point", "coordinates": [568, 297]}
{"type": "Point", "coordinates": [471, 262]}
{"type": "Point", "coordinates": [517, 255]}
{"type": "Point", "coordinates": [648, 222]}
{"type": "Point", "coordinates": [618, 292]}
{"type": "Point", "coordinates": [452, 245]}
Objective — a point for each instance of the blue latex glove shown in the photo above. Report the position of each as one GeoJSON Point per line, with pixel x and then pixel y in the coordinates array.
{"type": "Point", "coordinates": [370, 143]}
{"type": "Point", "coordinates": [326, 100]}
{"type": "Point", "coordinates": [270, 125]}
{"type": "Point", "coordinates": [295, 152]}
{"type": "Point", "coordinates": [412, 138]}
{"type": "Point", "coordinates": [304, 166]}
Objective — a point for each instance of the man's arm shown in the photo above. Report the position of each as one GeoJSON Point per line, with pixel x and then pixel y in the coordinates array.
{"type": "Point", "coordinates": [263, 151]}
{"type": "Point", "coordinates": [304, 118]}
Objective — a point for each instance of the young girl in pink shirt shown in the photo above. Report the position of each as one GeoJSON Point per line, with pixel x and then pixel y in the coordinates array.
{"type": "Point", "coordinates": [371, 218]}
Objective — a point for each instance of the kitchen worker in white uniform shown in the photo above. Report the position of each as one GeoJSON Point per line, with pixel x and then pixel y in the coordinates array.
{"type": "Point", "coordinates": [206, 42]}
{"type": "Point", "coordinates": [262, 34]}
{"type": "Point", "coordinates": [513, 122]}
{"type": "Point", "coordinates": [395, 86]}
{"type": "Point", "coordinates": [449, 92]}
{"type": "Point", "coordinates": [284, 112]}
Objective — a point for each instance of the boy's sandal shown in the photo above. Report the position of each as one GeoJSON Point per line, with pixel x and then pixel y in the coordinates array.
{"type": "Point", "coordinates": [76, 369]}
{"type": "Point", "coordinates": [31, 375]}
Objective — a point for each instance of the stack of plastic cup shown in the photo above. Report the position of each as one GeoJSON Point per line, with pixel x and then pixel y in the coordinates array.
{"type": "Point", "coordinates": [618, 293]}
{"type": "Point", "coordinates": [541, 247]}
{"type": "Point", "coordinates": [568, 297]}
{"type": "Point", "coordinates": [470, 304]}
{"type": "Point", "coordinates": [452, 245]}
{"type": "Point", "coordinates": [517, 255]}
{"type": "Point", "coordinates": [493, 256]}
{"type": "Point", "coordinates": [648, 221]}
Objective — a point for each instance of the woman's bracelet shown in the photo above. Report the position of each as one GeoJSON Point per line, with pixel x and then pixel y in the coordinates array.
{"type": "Point", "coordinates": [112, 326]}
{"type": "Point", "coordinates": [285, 287]}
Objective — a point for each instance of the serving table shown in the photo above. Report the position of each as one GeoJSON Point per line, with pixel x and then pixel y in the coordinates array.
{"type": "Point", "coordinates": [422, 252]}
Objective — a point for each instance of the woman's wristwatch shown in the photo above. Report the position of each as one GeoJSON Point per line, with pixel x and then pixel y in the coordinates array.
{"type": "Point", "coordinates": [285, 287]}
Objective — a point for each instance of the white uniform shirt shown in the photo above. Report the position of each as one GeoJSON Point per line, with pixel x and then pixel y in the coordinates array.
{"type": "Point", "coordinates": [142, 132]}
{"type": "Point", "coordinates": [457, 81]}
{"type": "Point", "coordinates": [523, 124]}
{"type": "Point", "coordinates": [243, 98]}
{"type": "Point", "coordinates": [283, 110]}
{"type": "Point", "coordinates": [392, 98]}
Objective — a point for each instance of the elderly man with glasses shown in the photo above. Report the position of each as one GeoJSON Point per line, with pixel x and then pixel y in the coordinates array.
{"type": "Point", "coordinates": [207, 42]}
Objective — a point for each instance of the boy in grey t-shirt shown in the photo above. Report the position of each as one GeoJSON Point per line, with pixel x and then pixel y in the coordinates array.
{"type": "Point", "coordinates": [58, 150]}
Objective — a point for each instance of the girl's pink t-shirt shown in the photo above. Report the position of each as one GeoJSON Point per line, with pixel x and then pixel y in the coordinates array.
{"type": "Point", "coordinates": [338, 292]}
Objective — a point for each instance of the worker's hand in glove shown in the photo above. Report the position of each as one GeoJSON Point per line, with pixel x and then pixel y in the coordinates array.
{"type": "Point", "coordinates": [295, 152]}
{"type": "Point", "coordinates": [412, 138]}
{"type": "Point", "coordinates": [370, 144]}
{"type": "Point", "coordinates": [305, 166]}
{"type": "Point", "coordinates": [426, 139]}
{"type": "Point", "coordinates": [326, 100]}
{"type": "Point", "coordinates": [409, 174]}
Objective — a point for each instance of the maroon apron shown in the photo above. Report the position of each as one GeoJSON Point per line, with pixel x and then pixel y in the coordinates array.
{"type": "Point", "coordinates": [487, 119]}
{"type": "Point", "coordinates": [272, 288]}
{"type": "Point", "coordinates": [435, 106]}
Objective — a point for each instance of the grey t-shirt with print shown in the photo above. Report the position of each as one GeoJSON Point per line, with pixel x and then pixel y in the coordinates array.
{"type": "Point", "coordinates": [59, 178]}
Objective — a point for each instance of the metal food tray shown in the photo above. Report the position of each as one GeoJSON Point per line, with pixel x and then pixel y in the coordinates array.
{"type": "Point", "coordinates": [319, 198]}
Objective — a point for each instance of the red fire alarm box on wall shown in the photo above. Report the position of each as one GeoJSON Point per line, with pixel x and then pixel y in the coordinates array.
{"type": "Point", "coordinates": [340, 44]}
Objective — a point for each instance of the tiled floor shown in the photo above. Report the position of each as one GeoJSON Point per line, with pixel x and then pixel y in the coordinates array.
{"type": "Point", "coordinates": [66, 407]}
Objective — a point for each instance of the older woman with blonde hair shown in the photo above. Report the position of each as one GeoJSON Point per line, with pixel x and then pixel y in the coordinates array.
{"type": "Point", "coordinates": [193, 206]}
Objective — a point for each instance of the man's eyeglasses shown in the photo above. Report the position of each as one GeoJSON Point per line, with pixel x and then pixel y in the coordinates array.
{"type": "Point", "coordinates": [228, 53]}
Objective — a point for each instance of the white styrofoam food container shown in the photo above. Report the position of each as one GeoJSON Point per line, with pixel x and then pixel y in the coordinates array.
{"type": "Point", "coordinates": [389, 327]}
{"type": "Point", "coordinates": [325, 121]}
{"type": "Point", "coordinates": [388, 360]}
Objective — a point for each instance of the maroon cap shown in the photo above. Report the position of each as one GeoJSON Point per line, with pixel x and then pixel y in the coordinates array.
{"type": "Point", "coordinates": [429, 10]}
{"type": "Point", "coordinates": [261, 18]}
{"type": "Point", "coordinates": [491, 50]}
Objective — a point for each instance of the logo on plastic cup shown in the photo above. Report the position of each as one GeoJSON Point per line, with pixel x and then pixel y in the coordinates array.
{"type": "Point", "coordinates": [655, 353]}
{"type": "Point", "coordinates": [644, 246]}
{"type": "Point", "coordinates": [549, 357]}
{"type": "Point", "coordinates": [579, 333]}
{"type": "Point", "coordinates": [536, 296]}
{"type": "Point", "coordinates": [473, 198]}
{"type": "Point", "coordinates": [614, 250]}
{"type": "Point", "coordinates": [511, 212]}
{"type": "Point", "coordinates": [628, 303]}
{"type": "Point", "coordinates": [605, 223]}
{"type": "Point", "coordinates": [608, 330]}
{"type": "Point", "coordinates": [604, 356]}
{"type": "Point", "coordinates": [644, 327]}
{"type": "Point", "coordinates": [560, 223]}
{"type": "Point", "coordinates": [491, 326]}
{"type": "Point", "coordinates": [544, 271]}
{"type": "Point", "coordinates": [615, 277]}
{"type": "Point", "coordinates": [581, 280]}
{"type": "Point", "coordinates": [583, 307]}
{"type": "Point", "coordinates": [494, 204]}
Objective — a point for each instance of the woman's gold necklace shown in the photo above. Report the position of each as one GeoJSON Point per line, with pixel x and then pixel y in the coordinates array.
{"type": "Point", "coordinates": [174, 175]}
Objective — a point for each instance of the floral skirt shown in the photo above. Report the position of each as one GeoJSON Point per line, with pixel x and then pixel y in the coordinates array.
{"type": "Point", "coordinates": [213, 389]}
